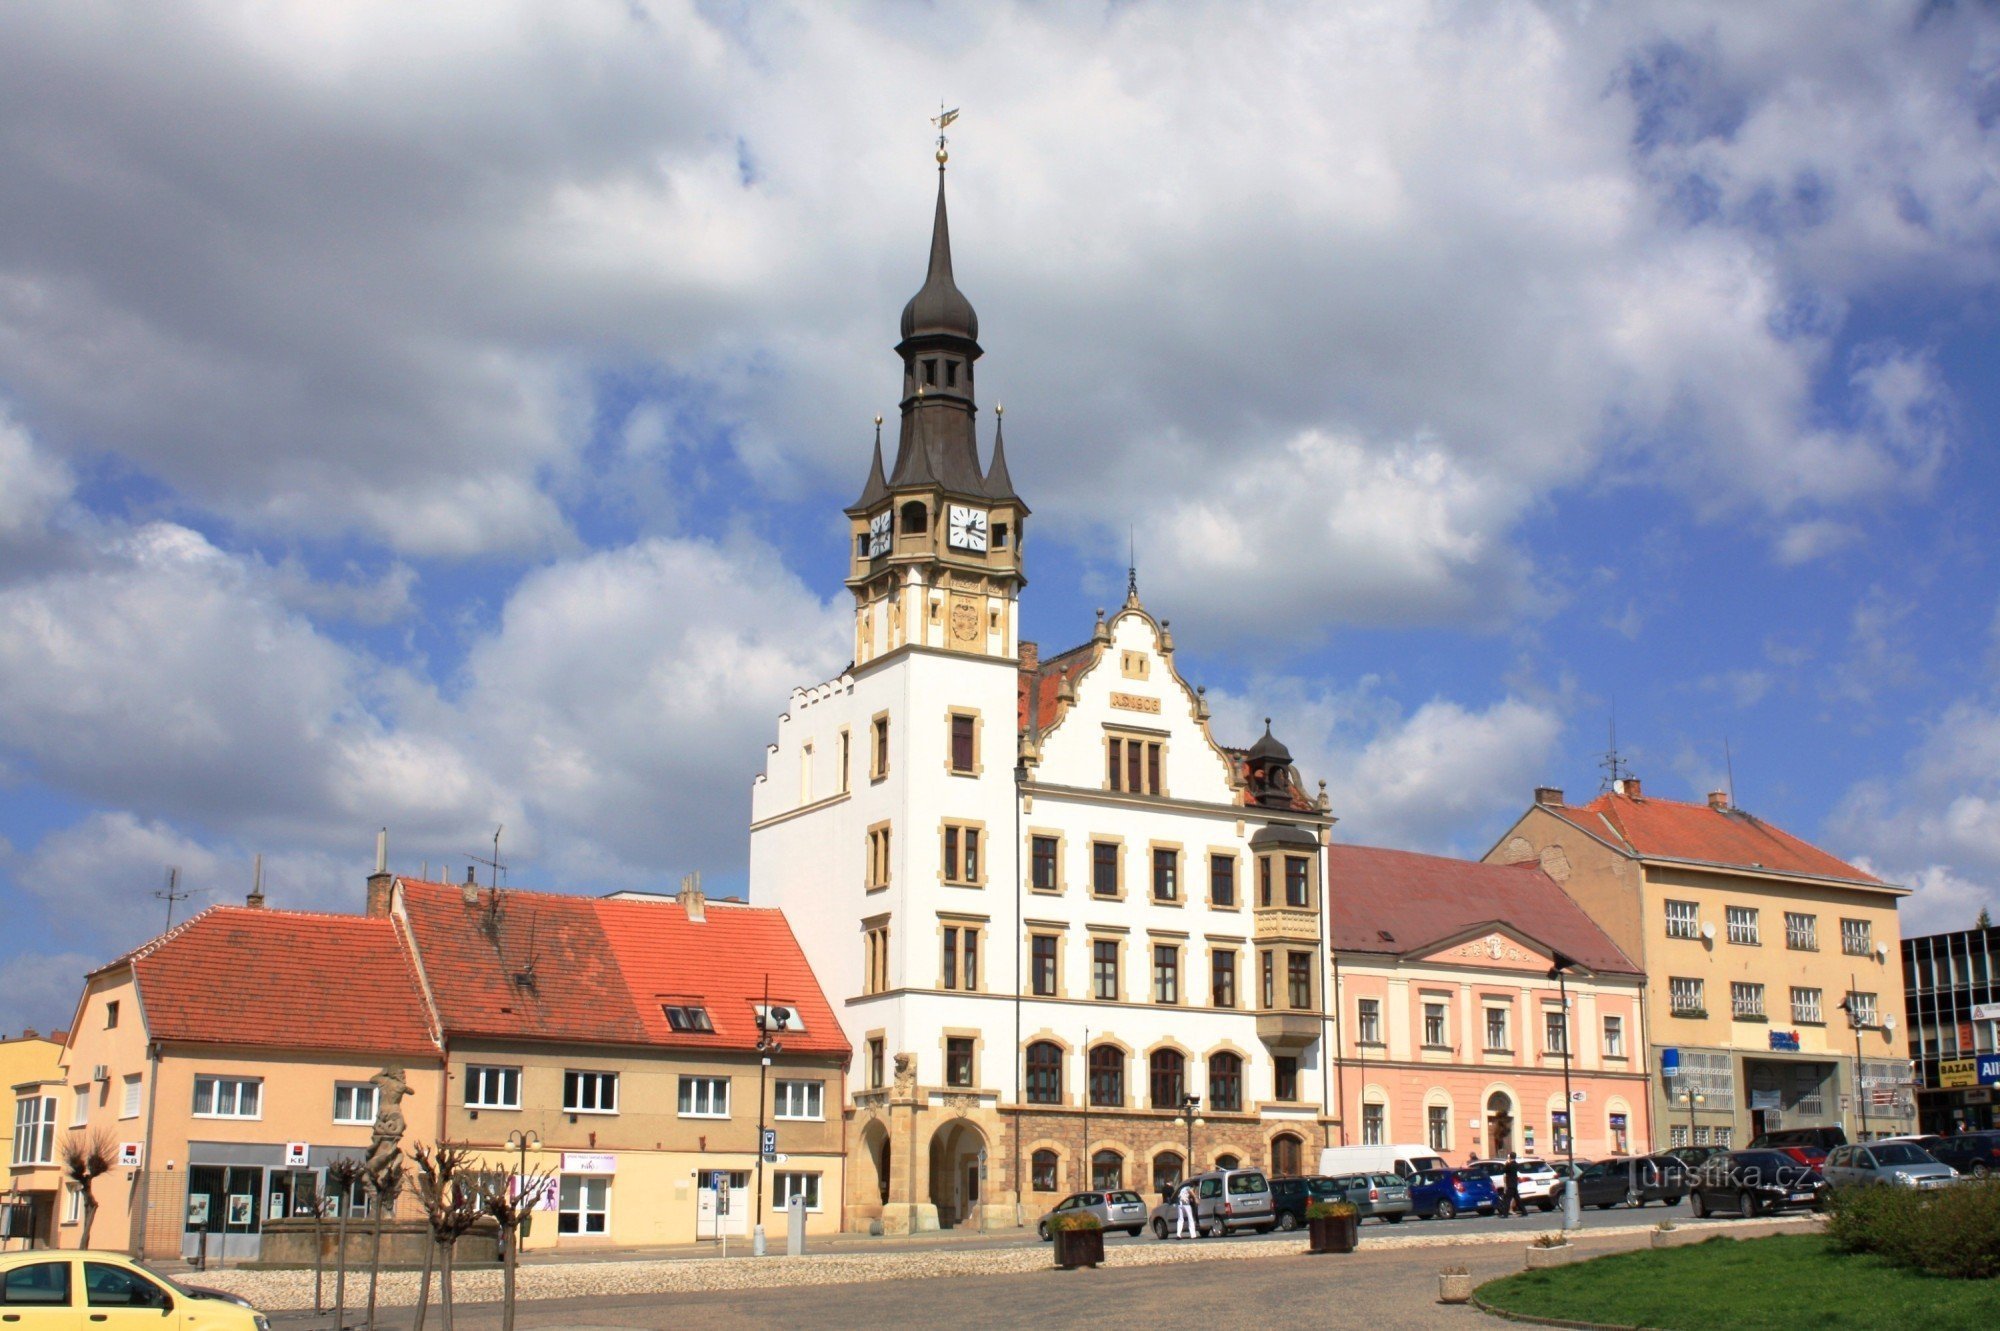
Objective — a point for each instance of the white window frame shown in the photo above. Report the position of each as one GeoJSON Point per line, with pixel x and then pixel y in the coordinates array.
{"type": "Point", "coordinates": [492, 1083]}
{"type": "Point", "coordinates": [1862, 1007]}
{"type": "Point", "coordinates": [584, 1091]}
{"type": "Point", "coordinates": [787, 1181]}
{"type": "Point", "coordinates": [1614, 1036]}
{"type": "Point", "coordinates": [1686, 996]}
{"type": "Point", "coordinates": [1807, 1005]}
{"type": "Point", "coordinates": [1801, 931]}
{"type": "Point", "coordinates": [798, 1099]}
{"type": "Point", "coordinates": [579, 1215]}
{"type": "Point", "coordinates": [1439, 1008]}
{"type": "Point", "coordinates": [72, 1204]}
{"type": "Point", "coordinates": [355, 1091]}
{"type": "Point", "coordinates": [80, 1113]}
{"type": "Point", "coordinates": [1857, 937]}
{"type": "Point", "coordinates": [1374, 1123]}
{"type": "Point", "coordinates": [216, 1083]}
{"type": "Point", "coordinates": [1683, 919]}
{"type": "Point", "coordinates": [35, 1130]}
{"type": "Point", "coordinates": [1437, 1127]}
{"type": "Point", "coordinates": [696, 1092]}
{"type": "Point", "coordinates": [1368, 1020]}
{"type": "Point", "coordinates": [1743, 925]}
{"type": "Point", "coordinates": [1746, 999]}
{"type": "Point", "coordinates": [135, 1091]}
{"type": "Point", "coordinates": [1503, 1026]}
{"type": "Point", "coordinates": [1555, 1023]}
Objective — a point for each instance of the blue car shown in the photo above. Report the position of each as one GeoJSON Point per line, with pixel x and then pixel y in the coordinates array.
{"type": "Point", "coordinates": [1444, 1193]}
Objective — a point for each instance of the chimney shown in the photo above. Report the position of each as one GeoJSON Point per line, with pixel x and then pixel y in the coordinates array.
{"type": "Point", "coordinates": [1549, 795]}
{"type": "Point", "coordinates": [1718, 800]}
{"type": "Point", "coordinates": [381, 881]}
{"type": "Point", "coordinates": [1031, 656]}
{"type": "Point", "coordinates": [1629, 787]}
{"type": "Point", "coordinates": [469, 893]}
{"type": "Point", "coordinates": [691, 899]}
{"type": "Point", "coordinates": [255, 901]}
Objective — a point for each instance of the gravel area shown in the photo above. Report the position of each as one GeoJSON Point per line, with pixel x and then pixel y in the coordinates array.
{"type": "Point", "coordinates": [275, 1290]}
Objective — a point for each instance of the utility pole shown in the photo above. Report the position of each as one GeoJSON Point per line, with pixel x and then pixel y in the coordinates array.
{"type": "Point", "coordinates": [1572, 1206]}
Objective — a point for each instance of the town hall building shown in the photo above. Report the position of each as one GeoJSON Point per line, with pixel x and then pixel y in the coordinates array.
{"type": "Point", "coordinates": [1073, 937]}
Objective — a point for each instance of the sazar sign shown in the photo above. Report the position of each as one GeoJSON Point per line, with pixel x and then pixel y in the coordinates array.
{"type": "Point", "coordinates": [1957, 1072]}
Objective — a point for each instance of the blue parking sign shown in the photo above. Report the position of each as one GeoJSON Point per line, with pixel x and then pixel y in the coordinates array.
{"type": "Point", "coordinates": [1670, 1062]}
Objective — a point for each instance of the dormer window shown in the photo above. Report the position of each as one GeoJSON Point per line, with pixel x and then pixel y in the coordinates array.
{"type": "Point", "coordinates": [688, 1017]}
{"type": "Point", "coordinates": [780, 1017]}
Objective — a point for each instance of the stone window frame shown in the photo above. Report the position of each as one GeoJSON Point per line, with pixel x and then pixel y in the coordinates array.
{"type": "Point", "coordinates": [1244, 1065]}
{"type": "Point", "coordinates": [1488, 1006]}
{"type": "Point", "coordinates": [1118, 842]}
{"type": "Point", "coordinates": [978, 719]}
{"type": "Point", "coordinates": [962, 826]}
{"type": "Point", "coordinates": [1167, 1046]}
{"type": "Point", "coordinates": [1234, 948]}
{"type": "Point", "coordinates": [1097, 934]}
{"type": "Point", "coordinates": [875, 960]}
{"type": "Point", "coordinates": [875, 1046]}
{"type": "Point", "coordinates": [1066, 1086]}
{"type": "Point", "coordinates": [978, 1038]}
{"type": "Point", "coordinates": [1054, 1151]}
{"type": "Point", "coordinates": [1155, 940]}
{"type": "Point", "coordinates": [980, 924]}
{"type": "Point", "coordinates": [1135, 665]}
{"type": "Point", "coordinates": [1159, 749]}
{"type": "Point", "coordinates": [879, 869]}
{"type": "Point", "coordinates": [878, 746]}
{"type": "Point", "coordinates": [1062, 849]}
{"type": "Point", "coordinates": [1235, 859]}
{"type": "Point", "coordinates": [1057, 932]}
{"type": "Point", "coordinates": [846, 734]}
{"type": "Point", "coordinates": [1128, 1055]}
{"type": "Point", "coordinates": [1441, 999]}
{"type": "Point", "coordinates": [1179, 851]}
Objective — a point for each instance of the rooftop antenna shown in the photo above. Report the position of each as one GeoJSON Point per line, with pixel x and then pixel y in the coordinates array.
{"type": "Point", "coordinates": [1615, 770]}
{"type": "Point", "coordinates": [171, 893]}
{"type": "Point", "coordinates": [495, 866]}
{"type": "Point", "coordinates": [256, 898]}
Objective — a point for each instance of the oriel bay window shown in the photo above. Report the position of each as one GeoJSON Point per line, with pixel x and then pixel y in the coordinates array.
{"type": "Point", "coordinates": [1044, 1062]}
{"type": "Point", "coordinates": [1107, 1077]}
{"type": "Point", "coordinates": [1298, 870]}
{"type": "Point", "coordinates": [1299, 979]}
{"type": "Point", "coordinates": [1270, 986]}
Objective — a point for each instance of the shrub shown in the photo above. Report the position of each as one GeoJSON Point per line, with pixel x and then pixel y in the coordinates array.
{"type": "Point", "coordinates": [1951, 1232]}
{"type": "Point", "coordinates": [1321, 1210]}
{"type": "Point", "coordinates": [1551, 1239]}
{"type": "Point", "coordinates": [1074, 1220]}
{"type": "Point", "coordinates": [1881, 1220]}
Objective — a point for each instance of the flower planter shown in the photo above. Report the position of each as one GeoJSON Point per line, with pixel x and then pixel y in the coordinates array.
{"type": "Point", "coordinates": [1454, 1287]}
{"type": "Point", "coordinates": [1079, 1247]}
{"type": "Point", "coordinates": [1333, 1233]}
{"type": "Point", "coordinates": [1559, 1255]}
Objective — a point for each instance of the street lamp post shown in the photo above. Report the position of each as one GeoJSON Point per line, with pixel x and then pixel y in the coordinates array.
{"type": "Point", "coordinates": [769, 1019]}
{"type": "Point", "coordinates": [1188, 1118]}
{"type": "Point", "coordinates": [1572, 1206]}
{"type": "Point", "coordinates": [521, 1139]}
{"type": "Point", "coordinates": [1693, 1098]}
{"type": "Point", "coordinates": [1857, 1024]}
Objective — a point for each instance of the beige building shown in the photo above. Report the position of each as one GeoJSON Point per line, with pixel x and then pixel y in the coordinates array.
{"type": "Point", "coordinates": [1774, 970]}
{"type": "Point", "coordinates": [30, 1067]}
{"type": "Point", "coordinates": [614, 1043]}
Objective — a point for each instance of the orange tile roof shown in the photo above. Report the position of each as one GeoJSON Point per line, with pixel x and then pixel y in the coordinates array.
{"type": "Point", "coordinates": [1398, 902]}
{"type": "Point", "coordinates": [1036, 703]}
{"type": "Point", "coordinates": [601, 968]}
{"type": "Point", "coordinates": [283, 979]}
{"type": "Point", "coordinates": [1669, 829]}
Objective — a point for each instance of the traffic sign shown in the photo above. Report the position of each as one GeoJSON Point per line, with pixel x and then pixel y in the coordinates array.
{"type": "Point", "coordinates": [719, 1180]}
{"type": "Point", "coordinates": [770, 1141]}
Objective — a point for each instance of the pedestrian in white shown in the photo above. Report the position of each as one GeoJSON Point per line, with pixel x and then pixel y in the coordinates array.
{"type": "Point", "coordinates": [1184, 1213]}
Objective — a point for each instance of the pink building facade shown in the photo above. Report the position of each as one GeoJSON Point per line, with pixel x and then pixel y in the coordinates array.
{"type": "Point", "coordinates": [1452, 1031]}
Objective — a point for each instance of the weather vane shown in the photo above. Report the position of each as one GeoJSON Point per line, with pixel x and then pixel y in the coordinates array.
{"type": "Point", "coordinates": [943, 121]}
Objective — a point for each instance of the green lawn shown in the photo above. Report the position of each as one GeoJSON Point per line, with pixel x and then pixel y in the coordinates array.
{"type": "Point", "coordinates": [1773, 1284]}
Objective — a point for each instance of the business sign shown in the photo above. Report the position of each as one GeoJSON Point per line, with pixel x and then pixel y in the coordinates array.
{"type": "Point", "coordinates": [1765, 1100]}
{"type": "Point", "coordinates": [198, 1211]}
{"type": "Point", "coordinates": [1785, 1041]}
{"type": "Point", "coordinates": [1989, 1069]}
{"type": "Point", "coordinates": [1670, 1062]}
{"type": "Point", "coordinates": [589, 1162]}
{"type": "Point", "coordinates": [1986, 1011]}
{"type": "Point", "coordinates": [1956, 1072]}
{"type": "Point", "coordinates": [297, 1154]}
{"type": "Point", "coordinates": [131, 1155]}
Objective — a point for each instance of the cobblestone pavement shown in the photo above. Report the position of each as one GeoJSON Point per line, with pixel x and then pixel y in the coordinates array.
{"type": "Point", "coordinates": [1390, 1282]}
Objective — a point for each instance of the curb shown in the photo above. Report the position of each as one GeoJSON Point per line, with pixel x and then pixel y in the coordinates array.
{"type": "Point", "coordinates": [1528, 1320]}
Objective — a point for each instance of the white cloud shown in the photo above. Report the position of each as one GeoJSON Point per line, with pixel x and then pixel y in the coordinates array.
{"type": "Point", "coordinates": [38, 990]}
{"type": "Point", "coordinates": [32, 484]}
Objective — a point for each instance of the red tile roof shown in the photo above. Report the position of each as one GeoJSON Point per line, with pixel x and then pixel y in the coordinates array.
{"type": "Point", "coordinates": [1669, 829]}
{"type": "Point", "coordinates": [600, 969]}
{"type": "Point", "coordinates": [1036, 703]}
{"type": "Point", "coordinates": [1419, 900]}
{"type": "Point", "coordinates": [283, 979]}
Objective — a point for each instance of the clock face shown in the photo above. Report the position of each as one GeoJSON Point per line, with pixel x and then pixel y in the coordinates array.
{"type": "Point", "coordinates": [967, 529]}
{"type": "Point", "coordinates": [878, 534]}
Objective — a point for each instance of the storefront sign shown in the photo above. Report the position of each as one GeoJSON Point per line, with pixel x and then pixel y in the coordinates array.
{"type": "Point", "coordinates": [297, 1155]}
{"type": "Point", "coordinates": [1954, 1072]}
{"type": "Point", "coordinates": [1986, 1011]}
{"type": "Point", "coordinates": [1785, 1041]}
{"type": "Point", "coordinates": [589, 1162]}
{"type": "Point", "coordinates": [1977, 1095]}
{"type": "Point", "coordinates": [131, 1155]}
{"type": "Point", "coordinates": [1764, 1100]}
{"type": "Point", "coordinates": [1989, 1069]}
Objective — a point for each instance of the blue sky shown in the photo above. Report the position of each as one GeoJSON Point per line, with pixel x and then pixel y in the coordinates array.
{"type": "Point", "coordinates": [440, 420]}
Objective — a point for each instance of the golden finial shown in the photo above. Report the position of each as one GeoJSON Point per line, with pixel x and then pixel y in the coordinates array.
{"type": "Point", "coordinates": [878, 420]}
{"type": "Point", "coordinates": [943, 120]}
{"type": "Point", "coordinates": [999, 408]}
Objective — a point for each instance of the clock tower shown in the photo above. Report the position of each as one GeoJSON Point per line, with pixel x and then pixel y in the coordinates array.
{"type": "Point", "coordinates": [936, 557]}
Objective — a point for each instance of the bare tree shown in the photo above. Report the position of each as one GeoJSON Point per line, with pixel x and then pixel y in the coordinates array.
{"type": "Point", "coordinates": [510, 1201]}
{"type": "Point", "coordinates": [385, 1185]}
{"type": "Point", "coordinates": [85, 1158]}
{"type": "Point", "coordinates": [341, 1176]}
{"type": "Point", "coordinates": [451, 1206]}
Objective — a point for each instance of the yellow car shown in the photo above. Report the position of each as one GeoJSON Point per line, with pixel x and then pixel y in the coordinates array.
{"type": "Point", "coordinates": [50, 1290]}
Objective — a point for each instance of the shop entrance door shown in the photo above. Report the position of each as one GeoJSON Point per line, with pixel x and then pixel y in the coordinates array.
{"type": "Point", "coordinates": [225, 1204]}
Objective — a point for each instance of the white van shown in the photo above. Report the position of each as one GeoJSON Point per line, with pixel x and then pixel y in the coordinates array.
{"type": "Point", "coordinates": [1406, 1159]}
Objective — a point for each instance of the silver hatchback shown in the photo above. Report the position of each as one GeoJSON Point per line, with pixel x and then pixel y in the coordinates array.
{"type": "Point", "coordinates": [1895, 1164]}
{"type": "Point", "coordinates": [1117, 1209]}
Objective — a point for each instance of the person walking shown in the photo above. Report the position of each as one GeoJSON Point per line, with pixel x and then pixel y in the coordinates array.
{"type": "Point", "coordinates": [1184, 1226]}
{"type": "Point", "coordinates": [1511, 1204]}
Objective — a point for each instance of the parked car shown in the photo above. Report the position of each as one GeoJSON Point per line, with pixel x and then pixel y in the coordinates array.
{"type": "Point", "coordinates": [44, 1290]}
{"type": "Point", "coordinates": [1406, 1159]}
{"type": "Point", "coordinates": [1752, 1183]}
{"type": "Point", "coordinates": [1826, 1138]}
{"type": "Point", "coordinates": [1930, 1141]}
{"type": "Point", "coordinates": [1696, 1156]}
{"type": "Point", "coordinates": [1638, 1180]}
{"type": "Point", "coordinates": [1973, 1153]}
{"type": "Point", "coordinates": [1880, 1163]}
{"type": "Point", "coordinates": [1536, 1180]}
{"type": "Point", "coordinates": [1119, 1209]}
{"type": "Point", "coordinates": [1226, 1200]}
{"type": "Point", "coordinates": [1385, 1196]}
{"type": "Point", "coordinates": [1445, 1193]}
{"type": "Point", "coordinates": [1569, 1169]}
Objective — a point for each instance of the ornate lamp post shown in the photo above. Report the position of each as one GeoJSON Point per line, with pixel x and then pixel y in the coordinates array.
{"type": "Point", "coordinates": [1188, 1119]}
{"type": "Point", "coordinates": [769, 1019]}
{"type": "Point", "coordinates": [521, 1139]}
{"type": "Point", "coordinates": [1691, 1098]}
{"type": "Point", "coordinates": [1572, 1206]}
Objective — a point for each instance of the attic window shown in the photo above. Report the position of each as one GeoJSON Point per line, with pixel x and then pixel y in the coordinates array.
{"type": "Point", "coordinates": [780, 1016]}
{"type": "Point", "coordinates": [687, 1017]}
{"type": "Point", "coordinates": [1385, 935]}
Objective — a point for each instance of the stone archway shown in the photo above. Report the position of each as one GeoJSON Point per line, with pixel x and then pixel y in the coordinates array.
{"type": "Point", "coordinates": [956, 1186]}
{"type": "Point", "coordinates": [871, 1183]}
{"type": "Point", "coordinates": [1499, 1125]}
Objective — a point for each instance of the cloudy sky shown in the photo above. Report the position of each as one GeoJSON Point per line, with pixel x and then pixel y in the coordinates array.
{"type": "Point", "coordinates": [438, 416]}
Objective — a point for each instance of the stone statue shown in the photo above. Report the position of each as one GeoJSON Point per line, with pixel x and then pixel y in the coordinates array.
{"type": "Point", "coordinates": [906, 1074]}
{"type": "Point", "coordinates": [391, 1088]}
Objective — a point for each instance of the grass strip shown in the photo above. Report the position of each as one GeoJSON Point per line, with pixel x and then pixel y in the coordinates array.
{"type": "Point", "coordinates": [1790, 1282]}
